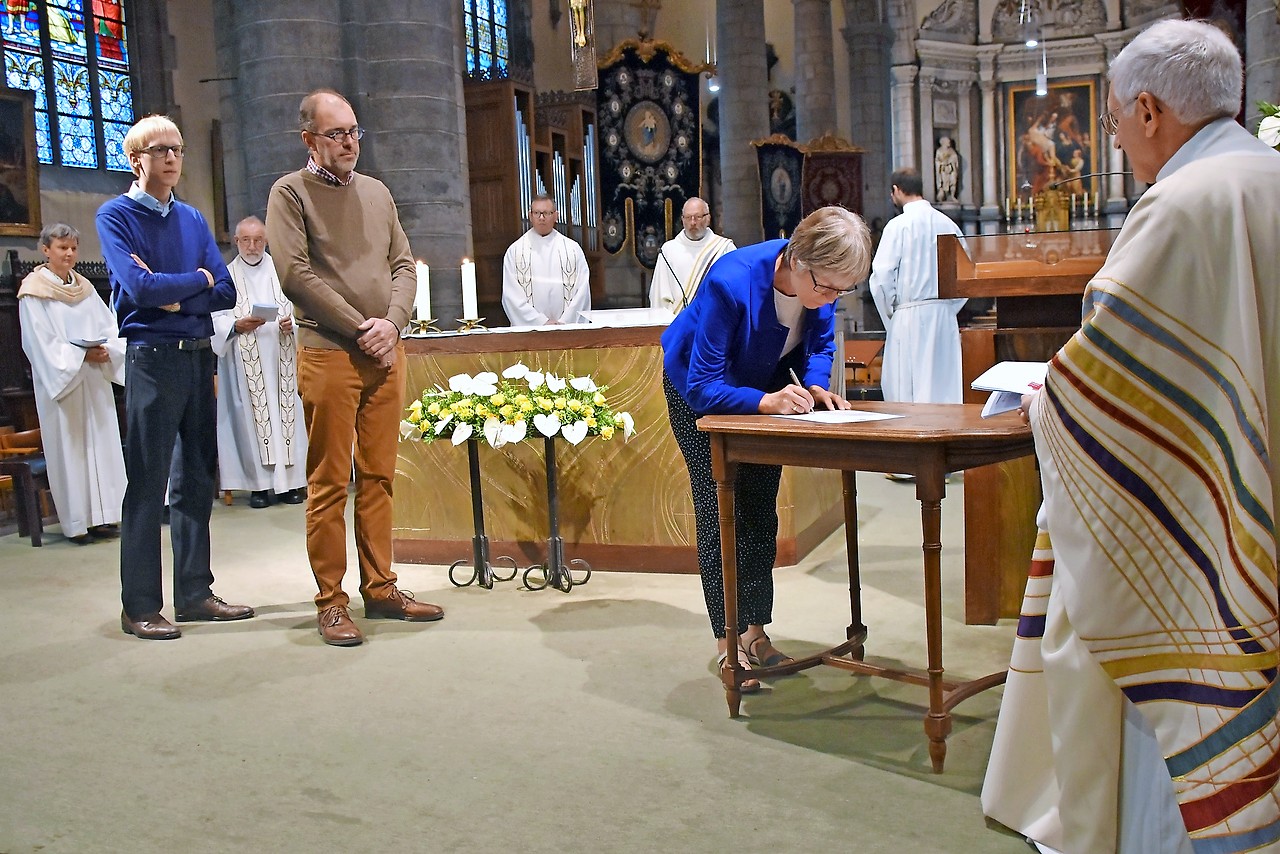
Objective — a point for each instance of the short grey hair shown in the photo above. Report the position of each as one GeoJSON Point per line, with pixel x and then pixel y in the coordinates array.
{"type": "Point", "coordinates": [1191, 66]}
{"type": "Point", "coordinates": [307, 109]}
{"type": "Point", "coordinates": [58, 231]}
{"type": "Point", "coordinates": [832, 240]}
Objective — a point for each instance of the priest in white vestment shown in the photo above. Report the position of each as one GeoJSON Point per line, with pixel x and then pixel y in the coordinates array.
{"type": "Point", "coordinates": [544, 274]}
{"type": "Point", "coordinates": [1140, 714]}
{"type": "Point", "coordinates": [685, 259]}
{"type": "Point", "coordinates": [921, 361]}
{"type": "Point", "coordinates": [262, 446]}
{"type": "Point", "coordinates": [76, 352]}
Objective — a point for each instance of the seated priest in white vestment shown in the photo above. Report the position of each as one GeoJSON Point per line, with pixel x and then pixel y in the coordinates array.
{"type": "Point", "coordinates": [73, 343]}
{"type": "Point", "coordinates": [262, 446]}
{"type": "Point", "coordinates": [685, 259]}
{"type": "Point", "coordinates": [1140, 711]}
{"type": "Point", "coordinates": [544, 274]}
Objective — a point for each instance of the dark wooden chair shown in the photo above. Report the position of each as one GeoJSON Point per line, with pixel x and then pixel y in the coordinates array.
{"type": "Point", "coordinates": [22, 460]}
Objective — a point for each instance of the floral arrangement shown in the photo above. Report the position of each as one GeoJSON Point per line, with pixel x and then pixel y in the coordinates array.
{"type": "Point", "coordinates": [1269, 127]}
{"type": "Point", "coordinates": [502, 410]}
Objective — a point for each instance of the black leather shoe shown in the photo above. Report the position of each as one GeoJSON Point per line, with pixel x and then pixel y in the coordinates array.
{"type": "Point", "coordinates": [293, 496]}
{"type": "Point", "coordinates": [258, 500]}
{"type": "Point", "coordinates": [212, 609]}
{"type": "Point", "coordinates": [149, 627]}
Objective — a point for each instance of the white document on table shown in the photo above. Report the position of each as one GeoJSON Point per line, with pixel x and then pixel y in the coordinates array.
{"type": "Point", "coordinates": [840, 416]}
{"type": "Point", "coordinates": [1008, 382]}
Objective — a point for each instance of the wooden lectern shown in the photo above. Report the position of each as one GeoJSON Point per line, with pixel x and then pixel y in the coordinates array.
{"type": "Point", "coordinates": [1037, 280]}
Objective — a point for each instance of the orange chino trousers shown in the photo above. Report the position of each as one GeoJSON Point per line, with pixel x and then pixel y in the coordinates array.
{"type": "Point", "coordinates": [352, 408]}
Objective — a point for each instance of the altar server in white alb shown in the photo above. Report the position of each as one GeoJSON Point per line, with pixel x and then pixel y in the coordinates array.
{"type": "Point", "coordinates": [262, 447]}
{"type": "Point", "coordinates": [544, 274]}
{"type": "Point", "coordinates": [62, 317]}
{"type": "Point", "coordinates": [685, 259]}
{"type": "Point", "coordinates": [922, 342]}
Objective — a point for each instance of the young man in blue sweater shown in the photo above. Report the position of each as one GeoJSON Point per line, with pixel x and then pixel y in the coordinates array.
{"type": "Point", "coordinates": [166, 278]}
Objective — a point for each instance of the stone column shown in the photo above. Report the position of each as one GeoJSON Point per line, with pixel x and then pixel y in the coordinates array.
{"type": "Point", "coordinates": [1114, 161]}
{"type": "Point", "coordinates": [902, 96]}
{"type": "Point", "coordinates": [286, 48]}
{"type": "Point", "coordinates": [1262, 47]}
{"type": "Point", "coordinates": [990, 135]}
{"type": "Point", "coordinates": [926, 147]}
{"type": "Point", "coordinates": [815, 70]}
{"type": "Point", "coordinates": [867, 45]}
{"type": "Point", "coordinates": [410, 101]}
{"type": "Point", "coordinates": [744, 114]}
{"type": "Point", "coordinates": [968, 172]}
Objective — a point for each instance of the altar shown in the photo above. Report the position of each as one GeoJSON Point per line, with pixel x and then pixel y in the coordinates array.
{"type": "Point", "coordinates": [624, 504]}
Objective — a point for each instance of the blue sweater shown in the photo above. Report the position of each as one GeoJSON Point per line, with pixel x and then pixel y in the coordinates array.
{"type": "Point", "coordinates": [175, 247]}
{"type": "Point", "coordinates": [724, 351]}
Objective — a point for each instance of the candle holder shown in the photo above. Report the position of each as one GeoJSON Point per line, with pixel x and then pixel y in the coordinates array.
{"type": "Point", "coordinates": [421, 327]}
{"type": "Point", "coordinates": [555, 573]}
{"type": "Point", "coordinates": [482, 571]}
{"type": "Point", "coordinates": [471, 324]}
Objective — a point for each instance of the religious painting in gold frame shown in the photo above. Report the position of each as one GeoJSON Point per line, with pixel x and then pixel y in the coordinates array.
{"type": "Point", "coordinates": [1052, 138]}
{"type": "Point", "coordinates": [19, 165]}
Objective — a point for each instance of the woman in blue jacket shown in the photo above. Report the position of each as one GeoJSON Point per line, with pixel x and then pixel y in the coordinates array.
{"type": "Point", "coordinates": [762, 314]}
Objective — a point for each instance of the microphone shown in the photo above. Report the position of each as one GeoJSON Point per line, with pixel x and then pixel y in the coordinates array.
{"type": "Point", "coordinates": [1082, 177]}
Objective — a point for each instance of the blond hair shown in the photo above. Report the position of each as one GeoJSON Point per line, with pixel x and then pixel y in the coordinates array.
{"type": "Point", "coordinates": [832, 240]}
{"type": "Point", "coordinates": [143, 133]}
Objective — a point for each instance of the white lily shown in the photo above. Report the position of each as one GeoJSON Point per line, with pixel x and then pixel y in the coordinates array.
{"type": "Point", "coordinates": [1269, 131]}
{"type": "Point", "coordinates": [583, 384]}
{"type": "Point", "coordinates": [554, 383]}
{"type": "Point", "coordinates": [461, 433]}
{"type": "Point", "coordinates": [409, 430]}
{"type": "Point", "coordinates": [575, 432]}
{"type": "Point", "coordinates": [628, 424]}
{"type": "Point", "coordinates": [443, 423]}
{"type": "Point", "coordinates": [548, 424]}
{"type": "Point", "coordinates": [535, 380]}
{"type": "Point", "coordinates": [517, 371]}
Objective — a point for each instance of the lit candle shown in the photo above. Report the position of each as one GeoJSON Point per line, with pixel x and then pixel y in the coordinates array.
{"type": "Point", "coordinates": [1073, 204]}
{"type": "Point", "coordinates": [1008, 206]}
{"type": "Point", "coordinates": [469, 309]}
{"type": "Point", "coordinates": [1031, 207]}
{"type": "Point", "coordinates": [422, 298]}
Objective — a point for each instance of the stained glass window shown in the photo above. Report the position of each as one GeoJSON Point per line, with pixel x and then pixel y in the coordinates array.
{"type": "Point", "coordinates": [74, 55]}
{"type": "Point", "coordinates": [488, 52]}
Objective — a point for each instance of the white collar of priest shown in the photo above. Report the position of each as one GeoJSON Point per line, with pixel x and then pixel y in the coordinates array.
{"type": "Point", "coordinates": [1220, 136]}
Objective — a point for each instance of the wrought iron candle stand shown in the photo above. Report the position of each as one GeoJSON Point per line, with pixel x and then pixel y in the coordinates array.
{"type": "Point", "coordinates": [482, 571]}
{"type": "Point", "coordinates": [555, 573]}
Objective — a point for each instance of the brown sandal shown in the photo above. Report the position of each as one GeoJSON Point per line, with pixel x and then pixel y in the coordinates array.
{"type": "Point", "coordinates": [747, 686]}
{"type": "Point", "coordinates": [762, 653]}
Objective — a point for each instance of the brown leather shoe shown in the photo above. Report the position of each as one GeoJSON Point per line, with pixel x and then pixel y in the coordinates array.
{"type": "Point", "coordinates": [149, 627]}
{"type": "Point", "coordinates": [401, 605]}
{"type": "Point", "coordinates": [337, 629]}
{"type": "Point", "coordinates": [213, 609]}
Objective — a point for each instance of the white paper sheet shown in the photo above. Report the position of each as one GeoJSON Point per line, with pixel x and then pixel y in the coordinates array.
{"type": "Point", "coordinates": [840, 416]}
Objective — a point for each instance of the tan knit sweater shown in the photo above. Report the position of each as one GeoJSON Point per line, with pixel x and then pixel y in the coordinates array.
{"type": "Point", "coordinates": [341, 256]}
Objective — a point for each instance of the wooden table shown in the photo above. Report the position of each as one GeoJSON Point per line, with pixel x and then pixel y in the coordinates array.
{"type": "Point", "coordinates": [929, 441]}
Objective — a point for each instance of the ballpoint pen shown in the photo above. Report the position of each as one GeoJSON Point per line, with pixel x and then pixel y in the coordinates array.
{"type": "Point", "coordinates": [795, 379]}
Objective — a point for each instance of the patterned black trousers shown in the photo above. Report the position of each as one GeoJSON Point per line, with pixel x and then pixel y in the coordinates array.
{"type": "Point", "coordinates": [756, 519]}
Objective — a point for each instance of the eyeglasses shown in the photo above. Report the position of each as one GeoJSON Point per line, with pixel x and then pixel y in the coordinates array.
{"type": "Point", "coordinates": [163, 150]}
{"type": "Point", "coordinates": [339, 136]}
{"type": "Point", "coordinates": [541, 214]}
{"type": "Point", "coordinates": [1110, 120]}
{"type": "Point", "coordinates": [695, 217]}
{"type": "Point", "coordinates": [821, 288]}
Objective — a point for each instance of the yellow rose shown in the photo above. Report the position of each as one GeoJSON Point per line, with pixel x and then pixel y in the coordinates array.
{"type": "Point", "coordinates": [482, 411]}
{"type": "Point", "coordinates": [606, 432]}
{"type": "Point", "coordinates": [561, 403]}
{"type": "Point", "coordinates": [591, 422]}
{"type": "Point", "coordinates": [521, 400]}
{"type": "Point", "coordinates": [416, 407]}
{"type": "Point", "coordinates": [589, 411]}
{"type": "Point", "coordinates": [507, 411]}
{"type": "Point", "coordinates": [526, 406]}
{"type": "Point", "coordinates": [433, 409]}
{"type": "Point", "coordinates": [598, 400]}
{"type": "Point", "coordinates": [545, 403]}
{"type": "Point", "coordinates": [498, 399]}
{"type": "Point", "coordinates": [575, 405]}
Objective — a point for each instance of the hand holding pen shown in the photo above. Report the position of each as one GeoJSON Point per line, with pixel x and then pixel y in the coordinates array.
{"type": "Point", "coordinates": [792, 399]}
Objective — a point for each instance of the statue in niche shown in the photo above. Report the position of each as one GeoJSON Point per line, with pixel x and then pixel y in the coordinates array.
{"type": "Point", "coordinates": [1009, 17]}
{"type": "Point", "coordinates": [946, 171]}
{"type": "Point", "coordinates": [1082, 15]}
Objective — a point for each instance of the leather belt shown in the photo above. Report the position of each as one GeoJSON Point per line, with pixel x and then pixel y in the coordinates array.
{"type": "Point", "coordinates": [184, 344]}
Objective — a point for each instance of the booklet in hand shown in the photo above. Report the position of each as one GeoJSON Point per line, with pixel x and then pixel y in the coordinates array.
{"type": "Point", "coordinates": [266, 310]}
{"type": "Point", "coordinates": [1008, 382]}
{"type": "Point", "coordinates": [88, 343]}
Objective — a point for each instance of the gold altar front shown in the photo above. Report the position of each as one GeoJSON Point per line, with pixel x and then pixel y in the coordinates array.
{"type": "Point", "coordinates": [624, 505]}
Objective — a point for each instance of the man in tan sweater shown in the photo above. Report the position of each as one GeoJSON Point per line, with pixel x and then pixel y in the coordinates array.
{"type": "Point", "coordinates": [344, 260]}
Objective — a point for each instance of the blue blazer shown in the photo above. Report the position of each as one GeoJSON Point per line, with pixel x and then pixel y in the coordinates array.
{"type": "Point", "coordinates": [724, 352]}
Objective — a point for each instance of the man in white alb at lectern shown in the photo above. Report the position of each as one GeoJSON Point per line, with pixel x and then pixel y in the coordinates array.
{"type": "Point", "coordinates": [685, 259]}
